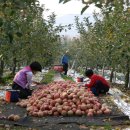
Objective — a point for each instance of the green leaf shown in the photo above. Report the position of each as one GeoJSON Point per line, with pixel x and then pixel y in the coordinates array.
{"type": "Point", "coordinates": [19, 4]}
{"type": "Point", "coordinates": [1, 55]}
{"type": "Point", "coordinates": [96, 1]}
{"type": "Point", "coordinates": [1, 22]}
{"type": "Point", "coordinates": [61, 1]}
{"type": "Point", "coordinates": [84, 8]}
{"type": "Point", "coordinates": [99, 5]}
{"type": "Point", "coordinates": [10, 35]}
{"type": "Point", "coordinates": [65, 1]}
{"type": "Point", "coordinates": [19, 34]}
{"type": "Point", "coordinates": [12, 12]}
{"type": "Point", "coordinates": [110, 9]}
{"type": "Point", "coordinates": [3, 1]}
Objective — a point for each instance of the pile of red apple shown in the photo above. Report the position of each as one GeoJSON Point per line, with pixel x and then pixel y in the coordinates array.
{"type": "Point", "coordinates": [63, 98]}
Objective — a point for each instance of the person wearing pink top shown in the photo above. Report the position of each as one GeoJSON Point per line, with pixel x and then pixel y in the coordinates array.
{"type": "Point", "coordinates": [23, 79]}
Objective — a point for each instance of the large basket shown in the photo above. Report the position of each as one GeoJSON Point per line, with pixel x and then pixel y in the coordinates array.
{"type": "Point", "coordinates": [58, 68]}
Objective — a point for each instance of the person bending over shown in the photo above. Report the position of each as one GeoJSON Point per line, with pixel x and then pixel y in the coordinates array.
{"type": "Point", "coordinates": [98, 85]}
{"type": "Point", "coordinates": [23, 79]}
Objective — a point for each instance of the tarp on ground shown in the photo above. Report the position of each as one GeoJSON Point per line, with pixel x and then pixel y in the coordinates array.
{"type": "Point", "coordinates": [115, 118]}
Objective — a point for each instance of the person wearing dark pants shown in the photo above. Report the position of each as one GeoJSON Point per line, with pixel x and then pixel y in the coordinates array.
{"type": "Point", "coordinates": [98, 85]}
{"type": "Point", "coordinates": [99, 88]}
{"type": "Point", "coordinates": [23, 93]}
{"type": "Point", "coordinates": [65, 68]}
{"type": "Point", "coordinates": [23, 79]}
{"type": "Point", "coordinates": [64, 62]}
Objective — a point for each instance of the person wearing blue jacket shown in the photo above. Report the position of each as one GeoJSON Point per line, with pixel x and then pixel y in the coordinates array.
{"type": "Point", "coordinates": [65, 61]}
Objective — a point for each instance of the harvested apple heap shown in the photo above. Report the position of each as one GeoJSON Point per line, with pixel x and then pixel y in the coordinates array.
{"type": "Point", "coordinates": [63, 98]}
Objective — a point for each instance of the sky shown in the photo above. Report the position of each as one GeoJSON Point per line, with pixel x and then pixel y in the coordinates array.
{"type": "Point", "coordinates": [65, 12]}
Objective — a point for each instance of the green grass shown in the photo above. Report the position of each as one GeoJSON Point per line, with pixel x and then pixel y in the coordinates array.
{"type": "Point", "coordinates": [7, 79]}
{"type": "Point", "coordinates": [17, 128]}
{"type": "Point", "coordinates": [48, 78]}
{"type": "Point", "coordinates": [108, 127]}
{"type": "Point", "coordinates": [66, 77]}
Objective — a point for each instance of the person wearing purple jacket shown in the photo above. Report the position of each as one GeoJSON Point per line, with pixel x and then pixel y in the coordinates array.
{"type": "Point", "coordinates": [23, 79]}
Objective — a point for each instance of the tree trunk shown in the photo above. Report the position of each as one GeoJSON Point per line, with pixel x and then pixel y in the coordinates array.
{"type": "Point", "coordinates": [14, 66]}
{"type": "Point", "coordinates": [27, 62]}
{"type": "Point", "coordinates": [111, 75]}
{"type": "Point", "coordinates": [103, 71]}
{"type": "Point", "coordinates": [114, 76]}
{"type": "Point", "coordinates": [18, 66]}
{"type": "Point", "coordinates": [129, 81]}
{"type": "Point", "coordinates": [1, 68]}
{"type": "Point", "coordinates": [127, 75]}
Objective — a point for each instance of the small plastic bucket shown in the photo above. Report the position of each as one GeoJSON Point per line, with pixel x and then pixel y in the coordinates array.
{"type": "Point", "coordinates": [80, 79]}
{"type": "Point", "coordinates": [11, 95]}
